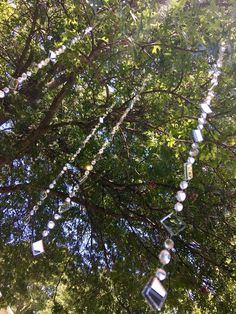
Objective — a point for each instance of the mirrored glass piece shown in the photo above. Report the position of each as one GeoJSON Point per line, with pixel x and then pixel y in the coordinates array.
{"type": "Point", "coordinates": [37, 248]}
{"type": "Point", "coordinates": [161, 274]}
{"type": "Point", "coordinates": [197, 135]}
{"type": "Point", "coordinates": [188, 170]}
{"type": "Point", "coordinates": [155, 294]}
{"type": "Point", "coordinates": [164, 257]}
{"type": "Point", "coordinates": [173, 224]}
{"type": "Point", "coordinates": [205, 108]}
{"type": "Point", "coordinates": [169, 244]}
{"type": "Point", "coordinates": [180, 196]}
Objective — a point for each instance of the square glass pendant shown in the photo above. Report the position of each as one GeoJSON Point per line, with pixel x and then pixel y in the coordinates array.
{"type": "Point", "coordinates": [188, 171]}
{"type": "Point", "coordinates": [155, 294]}
{"type": "Point", "coordinates": [173, 224]}
{"type": "Point", "coordinates": [37, 247]}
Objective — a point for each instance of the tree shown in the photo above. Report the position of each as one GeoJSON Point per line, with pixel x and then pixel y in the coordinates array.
{"type": "Point", "coordinates": [106, 247]}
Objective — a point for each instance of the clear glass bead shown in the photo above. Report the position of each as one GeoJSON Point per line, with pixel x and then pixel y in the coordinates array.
{"type": "Point", "coordinates": [178, 207]}
{"type": "Point", "coordinates": [195, 145]}
{"type": "Point", "coordinates": [161, 274]}
{"type": "Point", "coordinates": [193, 152]}
{"type": "Point", "coordinates": [180, 196]}
{"type": "Point", "coordinates": [20, 79]}
{"type": "Point", "coordinates": [86, 173]}
{"type": "Point", "coordinates": [201, 121]}
{"type": "Point", "coordinates": [62, 172]}
{"type": "Point", "coordinates": [29, 73]}
{"type": "Point", "coordinates": [40, 65]}
{"type": "Point", "coordinates": [6, 90]}
{"type": "Point", "coordinates": [191, 160]}
{"type": "Point", "coordinates": [32, 213]}
{"type": "Point", "coordinates": [57, 216]}
{"type": "Point", "coordinates": [164, 257]}
{"type": "Point", "coordinates": [51, 224]}
{"type": "Point", "coordinates": [65, 168]}
{"type": "Point", "coordinates": [2, 94]}
{"type": "Point", "coordinates": [24, 76]}
{"type": "Point", "coordinates": [35, 207]}
{"type": "Point", "coordinates": [51, 186]}
{"type": "Point", "coordinates": [200, 127]}
{"type": "Point", "coordinates": [183, 185]}
{"type": "Point", "coordinates": [93, 162]}
{"type": "Point", "coordinates": [67, 200]}
{"type": "Point", "coordinates": [203, 115]}
{"type": "Point", "coordinates": [169, 244]}
{"type": "Point", "coordinates": [45, 233]}
{"type": "Point", "coordinates": [89, 167]}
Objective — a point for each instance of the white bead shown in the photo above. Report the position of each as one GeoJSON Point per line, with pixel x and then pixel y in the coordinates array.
{"type": "Point", "coordinates": [87, 172]}
{"type": "Point", "coordinates": [67, 200]}
{"type": "Point", "coordinates": [89, 167]}
{"type": "Point", "coordinates": [178, 207]}
{"type": "Point", "coordinates": [51, 186]}
{"type": "Point", "coordinates": [169, 244]}
{"type": "Point", "coordinates": [20, 79]}
{"type": "Point", "coordinates": [29, 73]}
{"type": "Point", "coordinates": [48, 191]}
{"type": "Point", "coordinates": [2, 94]}
{"type": "Point", "coordinates": [45, 233]}
{"type": "Point", "coordinates": [161, 274]}
{"type": "Point", "coordinates": [6, 90]}
{"type": "Point", "coordinates": [35, 208]}
{"type": "Point", "coordinates": [183, 185]}
{"type": "Point", "coordinates": [191, 160]}
{"type": "Point", "coordinates": [180, 196]}
{"type": "Point", "coordinates": [32, 213]}
{"type": "Point", "coordinates": [57, 216]}
{"type": "Point", "coordinates": [164, 257]}
{"type": "Point", "coordinates": [24, 76]}
{"type": "Point", "coordinates": [93, 162]}
{"type": "Point", "coordinates": [51, 224]}
{"type": "Point", "coordinates": [65, 168]}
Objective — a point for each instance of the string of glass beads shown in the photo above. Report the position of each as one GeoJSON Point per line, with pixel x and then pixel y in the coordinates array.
{"type": "Point", "coordinates": [15, 83]}
{"type": "Point", "coordinates": [154, 292]}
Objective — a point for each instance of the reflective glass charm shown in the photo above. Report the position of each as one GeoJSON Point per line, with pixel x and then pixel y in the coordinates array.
{"type": "Point", "coordinates": [178, 207]}
{"type": "Point", "coordinates": [173, 224]}
{"type": "Point", "coordinates": [188, 170]}
{"type": "Point", "coordinates": [155, 294]}
{"type": "Point", "coordinates": [164, 257]}
{"type": "Point", "coordinates": [37, 248]}
{"type": "Point", "coordinates": [183, 185]}
{"type": "Point", "coordinates": [161, 274]}
{"type": "Point", "coordinates": [197, 135]}
{"type": "Point", "coordinates": [205, 108]}
{"type": "Point", "coordinates": [169, 244]}
{"type": "Point", "coordinates": [180, 196]}
{"type": "Point", "coordinates": [51, 224]}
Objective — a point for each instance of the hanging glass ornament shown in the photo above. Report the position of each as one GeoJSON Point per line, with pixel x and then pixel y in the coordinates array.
{"type": "Point", "coordinates": [37, 248]}
{"type": "Point", "coordinates": [155, 294]}
{"type": "Point", "coordinates": [173, 224]}
{"type": "Point", "coordinates": [164, 257]}
{"type": "Point", "coordinates": [161, 274]}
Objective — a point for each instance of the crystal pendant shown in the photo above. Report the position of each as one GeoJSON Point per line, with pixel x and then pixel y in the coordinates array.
{"type": "Point", "coordinates": [197, 135]}
{"type": "Point", "coordinates": [161, 274]}
{"type": "Point", "coordinates": [169, 244]}
{"type": "Point", "coordinates": [164, 257]}
{"type": "Point", "coordinates": [155, 294]}
{"type": "Point", "coordinates": [188, 171]}
{"type": "Point", "coordinates": [173, 224]}
{"type": "Point", "coordinates": [37, 248]}
{"type": "Point", "coordinates": [180, 196]}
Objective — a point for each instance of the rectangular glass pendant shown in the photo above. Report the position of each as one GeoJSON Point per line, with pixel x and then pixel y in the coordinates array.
{"type": "Point", "coordinates": [197, 135]}
{"type": "Point", "coordinates": [173, 224]}
{"type": "Point", "coordinates": [205, 108]}
{"type": "Point", "coordinates": [155, 294]}
{"type": "Point", "coordinates": [37, 247]}
{"type": "Point", "coordinates": [188, 171]}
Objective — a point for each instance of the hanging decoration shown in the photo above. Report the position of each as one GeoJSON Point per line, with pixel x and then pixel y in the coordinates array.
{"type": "Point", "coordinates": [43, 63]}
{"type": "Point", "coordinates": [65, 206]}
{"type": "Point", "coordinates": [154, 292]}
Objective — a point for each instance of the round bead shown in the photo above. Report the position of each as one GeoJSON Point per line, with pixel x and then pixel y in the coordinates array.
{"type": "Point", "coordinates": [20, 79]}
{"type": "Point", "coordinates": [57, 216]}
{"type": "Point", "coordinates": [164, 257]}
{"type": "Point", "coordinates": [169, 244]}
{"type": "Point", "coordinates": [86, 173]}
{"type": "Point", "coordinates": [191, 160]}
{"type": "Point", "coordinates": [6, 90]}
{"type": "Point", "coordinates": [35, 207]}
{"type": "Point", "coordinates": [24, 76]}
{"type": "Point", "coordinates": [193, 152]}
{"type": "Point", "coordinates": [65, 168]}
{"type": "Point", "coordinates": [89, 167]}
{"type": "Point", "coordinates": [201, 121]}
{"type": "Point", "coordinates": [200, 127]}
{"type": "Point", "coordinates": [51, 224]}
{"type": "Point", "coordinates": [67, 200]}
{"type": "Point", "coordinates": [51, 186]}
{"type": "Point", "coordinates": [181, 196]}
{"type": "Point", "coordinates": [29, 74]}
{"type": "Point", "coordinates": [161, 274]}
{"type": "Point", "coordinates": [2, 94]}
{"type": "Point", "coordinates": [32, 213]}
{"type": "Point", "coordinates": [40, 65]}
{"type": "Point", "coordinates": [183, 185]}
{"type": "Point", "coordinates": [93, 162]}
{"type": "Point", "coordinates": [178, 207]}
{"type": "Point", "coordinates": [195, 145]}
{"type": "Point", "coordinates": [45, 233]}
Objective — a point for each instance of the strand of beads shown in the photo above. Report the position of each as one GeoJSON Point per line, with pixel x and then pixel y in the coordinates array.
{"type": "Point", "coordinates": [66, 204]}
{"type": "Point", "coordinates": [154, 292]}
{"type": "Point", "coordinates": [44, 194]}
{"type": "Point", "coordinates": [43, 63]}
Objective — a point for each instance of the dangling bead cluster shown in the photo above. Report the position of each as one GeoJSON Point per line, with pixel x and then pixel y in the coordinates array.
{"type": "Point", "coordinates": [172, 223]}
{"type": "Point", "coordinates": [43, 63]}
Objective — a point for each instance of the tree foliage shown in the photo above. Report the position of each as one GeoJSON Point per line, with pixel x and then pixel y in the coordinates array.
{"type": "Point", "coordinates": [106, 247]}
